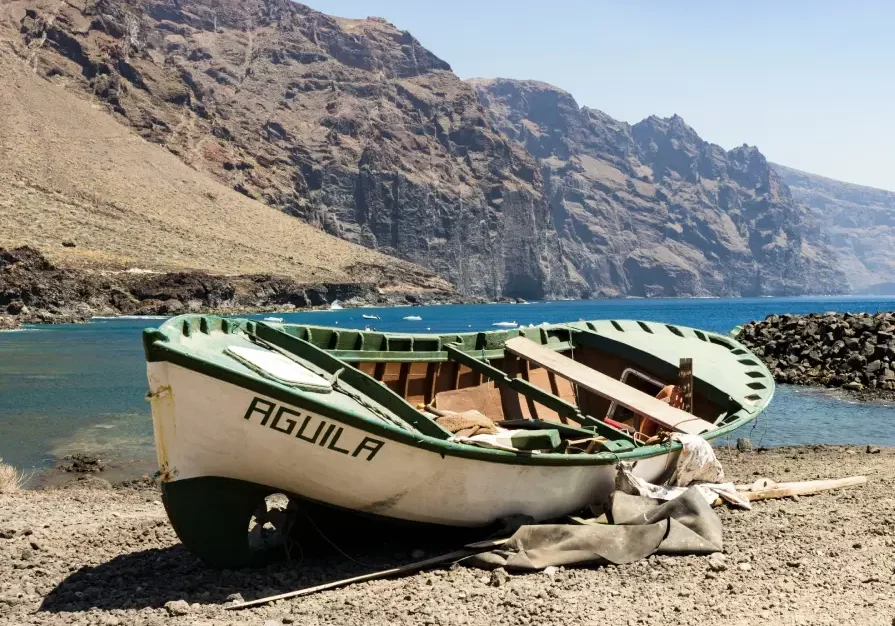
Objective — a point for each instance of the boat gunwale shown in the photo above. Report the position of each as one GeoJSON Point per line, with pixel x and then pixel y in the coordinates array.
{"type": "Point", "coordinates": [166, 351]}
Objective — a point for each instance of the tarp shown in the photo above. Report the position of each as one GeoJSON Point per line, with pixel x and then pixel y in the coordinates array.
{"type": "Point", "coordinates": [639, 528]}
{"type": "Point", "coordinates": [642, 519]}
{"type": "Point", "coordinates": [696, 467]}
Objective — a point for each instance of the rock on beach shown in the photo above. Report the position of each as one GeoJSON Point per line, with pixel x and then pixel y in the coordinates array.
{"type": "Point", "coordinates": [854, 351]}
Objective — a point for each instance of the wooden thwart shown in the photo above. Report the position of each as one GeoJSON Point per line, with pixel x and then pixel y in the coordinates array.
{"type": "Point", "coordinates": [602, 385]}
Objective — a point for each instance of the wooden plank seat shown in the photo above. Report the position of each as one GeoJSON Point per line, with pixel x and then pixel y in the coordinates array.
{"type": "Point", "coordinates": [599, 383]}
{"type": "Point", "coordinates": [621, 439]}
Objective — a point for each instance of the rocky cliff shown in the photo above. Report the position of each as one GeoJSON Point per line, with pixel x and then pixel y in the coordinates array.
{"type": "Point", "coordinates": [860, 222]}
{"type": "Point", "coordinates": [652, 209]}
{"type": "Point", "coordinates": [349, 125]}
{"type": "Point", "coordinates": [505, 188]}
{"type": "Point", "coordinates": [94, 220]}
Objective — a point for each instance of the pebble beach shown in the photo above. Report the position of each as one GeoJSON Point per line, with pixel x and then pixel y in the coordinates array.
{"type": "Point", "coordinates": [90, 553]}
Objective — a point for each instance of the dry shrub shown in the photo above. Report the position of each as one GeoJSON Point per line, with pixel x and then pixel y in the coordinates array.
{"type": "Point", "coordinates": [11, 479]}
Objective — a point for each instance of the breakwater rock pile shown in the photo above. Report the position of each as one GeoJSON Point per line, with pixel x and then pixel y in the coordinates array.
{"type": "Point", "coordinates": [852, 351]}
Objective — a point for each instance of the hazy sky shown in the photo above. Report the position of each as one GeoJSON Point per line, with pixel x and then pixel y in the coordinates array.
{"type": "Point", "coordinates": [810, 82]}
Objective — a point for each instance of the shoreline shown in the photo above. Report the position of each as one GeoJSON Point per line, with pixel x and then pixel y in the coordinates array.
{"type": "Point", "coordinates": [398, 300]}
{"type": "Point", "coordinates": [33, 290]}
{"type": "Point", "coordinates": [108, 556]}
{"type": "Point", "coordinates": [375, 299]}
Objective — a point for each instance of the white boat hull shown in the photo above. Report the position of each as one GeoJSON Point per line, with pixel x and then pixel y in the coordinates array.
{"type": "Point", "coordinates": [205, 427]}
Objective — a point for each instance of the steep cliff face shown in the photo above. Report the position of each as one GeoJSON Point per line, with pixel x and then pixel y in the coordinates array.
{"type": "Point", "coordinates": [89, 195]}
{"type": "Point", "coordinates": [350, 125]}
{"type": "Point", "coordinates": [652, 209]}
{"type": "Point", "coordinates": [505, 188]}
{"type": "Point", "coordinates": [860, 222]}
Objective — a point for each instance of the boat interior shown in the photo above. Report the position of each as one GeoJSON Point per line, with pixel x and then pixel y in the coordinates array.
{"type": "Point", "coordinates": [579, 388]}
{"type": "Point", "coordinates": [585, 387]}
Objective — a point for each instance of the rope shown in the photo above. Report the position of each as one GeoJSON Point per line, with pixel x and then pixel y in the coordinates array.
{"type": "Point", "coordinates": [334, 379]}
{"type": "Point", "coordinates": [397, 421]}
{"type": "Point", "coordinates": [574, 386]}
{"type": "Point", "coordinates": [162, 391]}
{"type": "Point", "coordinates": [767, 424]}
{"type": "Point", "coordinates": [330, 542]}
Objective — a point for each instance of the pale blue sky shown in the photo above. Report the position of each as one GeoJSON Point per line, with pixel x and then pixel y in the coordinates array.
{"type": "Point", "coordinates": [811, 83]}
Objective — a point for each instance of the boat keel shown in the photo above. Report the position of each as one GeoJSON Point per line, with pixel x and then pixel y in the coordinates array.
{"type": "Point", "coordinates": [211, 516]}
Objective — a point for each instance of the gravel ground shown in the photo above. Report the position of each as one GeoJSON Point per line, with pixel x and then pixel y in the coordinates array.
{"type": "Point", "coordinates": [94, 555]}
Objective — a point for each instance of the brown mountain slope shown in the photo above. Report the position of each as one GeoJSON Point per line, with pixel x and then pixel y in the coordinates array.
{"type": "Point", "coordinates": [860, 221]}
{"type": "Point", "coordinates": [652, 209]}
{"type": "Point", "coordinates": [69, 172]}
{"type": "Point", "coordinates": [350, 125]}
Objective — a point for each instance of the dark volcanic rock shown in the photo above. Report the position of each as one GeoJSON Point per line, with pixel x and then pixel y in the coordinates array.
{"type": "Point", "coordinates": [852, 351]}
{"type": "Point", "coordinates": [33, 290]}
{"type": "Point", "coordinates": [652, 209]}
{"type": "Point", "coordinates": [350, 125]}
{"type": "Point", "coordinates": [82, 463]}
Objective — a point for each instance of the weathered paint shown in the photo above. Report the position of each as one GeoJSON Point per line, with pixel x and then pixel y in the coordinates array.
{"type": "Point", "coordinates": [397, 480]}
{"type": "Point", "coordinates": [372, 452]}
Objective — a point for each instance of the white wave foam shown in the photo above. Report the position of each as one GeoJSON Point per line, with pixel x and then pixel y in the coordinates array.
{"type": "Point", "coordinates": [129, 317]}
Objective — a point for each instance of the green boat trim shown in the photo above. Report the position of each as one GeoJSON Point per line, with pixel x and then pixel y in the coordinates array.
{"type": "Point", "coordinates": [330, 350]}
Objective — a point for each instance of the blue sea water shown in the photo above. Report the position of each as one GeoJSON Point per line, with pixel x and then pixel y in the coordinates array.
{"type": "Point", "coordinates": [80, 387]}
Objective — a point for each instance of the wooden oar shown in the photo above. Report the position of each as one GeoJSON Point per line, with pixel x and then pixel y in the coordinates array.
{"type": "Point", "coordinates": [468, 550]}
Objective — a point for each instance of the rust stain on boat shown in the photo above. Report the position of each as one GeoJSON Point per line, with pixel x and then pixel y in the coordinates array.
{"type": "Point", "coordinates": [163, 393]}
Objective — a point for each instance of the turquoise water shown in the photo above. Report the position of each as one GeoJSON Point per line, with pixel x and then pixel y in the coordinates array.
{"type": "Point", "coordinates": [80, 388]}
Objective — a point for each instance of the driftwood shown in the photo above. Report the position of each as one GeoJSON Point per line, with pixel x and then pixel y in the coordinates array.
{"type": "Point", "coordinates": [765, 489]}
{"type": "Point", "coordinates": [468, 550]}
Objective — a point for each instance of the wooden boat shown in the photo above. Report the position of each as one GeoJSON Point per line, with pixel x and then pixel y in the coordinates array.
{"type": "Point", "coordinates": [343, 422]}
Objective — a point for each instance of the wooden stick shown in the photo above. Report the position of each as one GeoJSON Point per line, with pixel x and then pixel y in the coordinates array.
{"type": "Point", "coordinates": [808, 487]}
{"type": "Point", "coordinates": [554, 389]}
{"type": "Point", "coordinates": [468, 550]}
{"type": "Point", "coordinates": [431, 378]}
{"type": "Point", "coordinates": [525, 371]}
{"type": "Point", "coordinates": [403, 379]}
{"type": "Point", "coordinates": [436, 411]}
{"type": "Point", "coordinates": [685, 382]}
{"type": "Point", "coordinates": [755, 492]}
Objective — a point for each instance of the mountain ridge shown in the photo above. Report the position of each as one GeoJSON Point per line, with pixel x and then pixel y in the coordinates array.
{"type": "Point", "coordinates": [354, 127]}
{"type": "Point", "coordinates": [349, 125]}
{"type": "Point", "coordinates": [94, 211]}
{"type": "Point", "coordinates": [652, 209]}
{"type": "Point", "coordinates": [861, 223]}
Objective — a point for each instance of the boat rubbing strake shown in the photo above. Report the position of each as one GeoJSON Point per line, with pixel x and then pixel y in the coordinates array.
{"type": "Point", "coordinates": [352, 423]}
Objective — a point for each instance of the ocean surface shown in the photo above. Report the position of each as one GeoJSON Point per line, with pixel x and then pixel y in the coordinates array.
{"type": "Point", "coordinates": [80, 387]}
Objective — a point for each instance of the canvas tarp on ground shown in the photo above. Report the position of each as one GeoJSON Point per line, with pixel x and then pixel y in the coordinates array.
{"type": "Point", "coordinates": [639, 528]}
